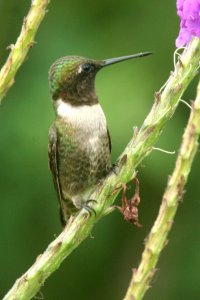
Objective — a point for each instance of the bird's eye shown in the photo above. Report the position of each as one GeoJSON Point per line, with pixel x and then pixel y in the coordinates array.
{"type": "Point", "coordinates": [87, 68]}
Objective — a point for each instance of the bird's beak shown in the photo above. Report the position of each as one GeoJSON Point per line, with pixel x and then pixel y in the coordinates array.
{"type": "Point", "coordinates": [115, 60]}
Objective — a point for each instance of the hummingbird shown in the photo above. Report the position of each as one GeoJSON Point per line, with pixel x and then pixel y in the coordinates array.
{"type": "Point", "coordinates": [79, 141]}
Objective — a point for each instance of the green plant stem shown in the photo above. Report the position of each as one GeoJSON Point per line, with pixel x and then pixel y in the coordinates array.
{"type": "Point", "coordinates": [157, 238]}
{"type": "Point", "coordinates": [140, 146]}
{"type": "Point", "coordinates": [24, 42]}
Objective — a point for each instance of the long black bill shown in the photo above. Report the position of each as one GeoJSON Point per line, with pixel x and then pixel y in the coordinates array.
{"type": "Point", "coordinates": [111, 61]}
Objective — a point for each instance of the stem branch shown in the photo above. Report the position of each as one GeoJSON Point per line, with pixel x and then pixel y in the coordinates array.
{"type": "Point", "coordinates": [24, 42]}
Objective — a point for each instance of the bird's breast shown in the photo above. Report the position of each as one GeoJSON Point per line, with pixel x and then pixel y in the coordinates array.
{"type": "Point", "coordinates": [83, 147]}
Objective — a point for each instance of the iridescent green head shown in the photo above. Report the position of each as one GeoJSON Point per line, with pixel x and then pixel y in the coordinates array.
{"type": "Point", "coordinates": [71, 78]}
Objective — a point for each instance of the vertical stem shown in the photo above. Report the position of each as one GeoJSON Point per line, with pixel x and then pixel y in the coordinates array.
{"type": "Point", "coordinates": [173, 194]}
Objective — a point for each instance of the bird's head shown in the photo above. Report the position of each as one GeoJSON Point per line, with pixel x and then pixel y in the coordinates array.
{"type": "Point", "coordinates": [71, 78]}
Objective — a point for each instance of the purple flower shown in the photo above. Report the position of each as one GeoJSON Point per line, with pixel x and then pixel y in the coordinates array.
{"type": "Point", "coordinates": [189, 13]}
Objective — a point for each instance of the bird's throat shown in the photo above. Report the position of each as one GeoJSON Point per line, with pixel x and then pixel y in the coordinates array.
{"type": "Point", "coordinates": [89, 118]}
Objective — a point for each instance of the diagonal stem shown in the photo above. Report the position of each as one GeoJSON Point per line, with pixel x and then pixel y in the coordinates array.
{"type": "Point", "coordinates": [139, 147]}
{"type": "Point", "coordinates": [24, 42]}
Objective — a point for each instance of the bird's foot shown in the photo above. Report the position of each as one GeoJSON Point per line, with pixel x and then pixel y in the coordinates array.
{"type": "Point", "coordinates": [88, 208]}
{"type": "Point", "coordinates": [114, 168]}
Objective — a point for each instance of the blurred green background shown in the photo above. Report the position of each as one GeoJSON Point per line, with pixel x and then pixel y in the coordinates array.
{"type": "Point", "coordinates": [102, 266]}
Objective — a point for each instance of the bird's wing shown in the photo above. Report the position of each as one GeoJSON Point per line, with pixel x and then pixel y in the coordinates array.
{"type": "Point", "coordinates": [109, 140]}
{"type": "Point", "coordinates": [65, 204]}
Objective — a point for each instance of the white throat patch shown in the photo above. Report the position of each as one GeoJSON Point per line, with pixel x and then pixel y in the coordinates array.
{"type": "Point", "coordinates": [90, 117]}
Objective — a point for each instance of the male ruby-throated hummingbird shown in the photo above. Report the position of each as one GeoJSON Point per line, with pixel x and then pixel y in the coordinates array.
{"type": "Point", "coordinates": [79, 141]}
